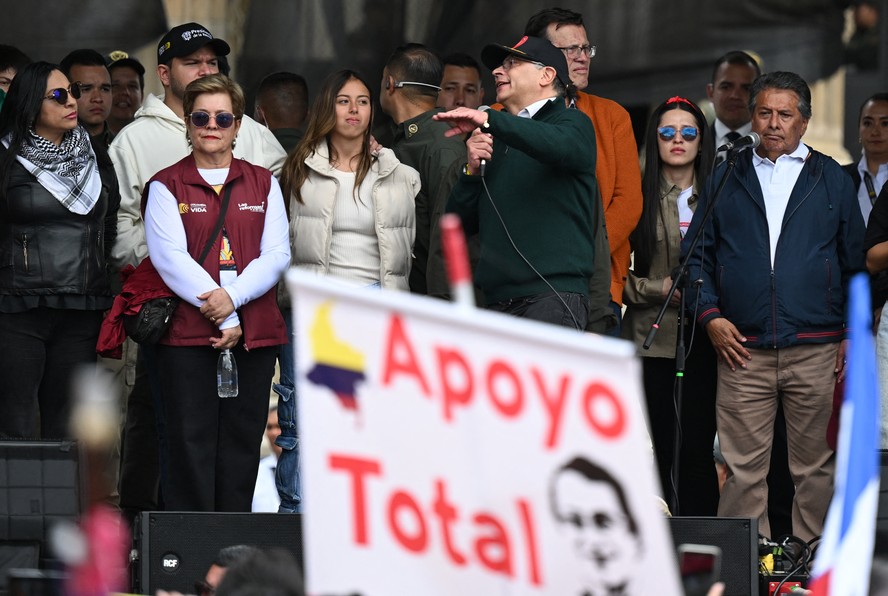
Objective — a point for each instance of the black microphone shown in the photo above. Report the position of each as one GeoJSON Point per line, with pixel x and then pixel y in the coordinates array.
{"type": "Point", "coordinates": [483, 161]}
{"type": "Point", "coordinates": [750, 141]}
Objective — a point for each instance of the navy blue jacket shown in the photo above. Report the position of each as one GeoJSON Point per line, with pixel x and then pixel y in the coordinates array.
{"type": "Point", "coordinates": [802, 299]}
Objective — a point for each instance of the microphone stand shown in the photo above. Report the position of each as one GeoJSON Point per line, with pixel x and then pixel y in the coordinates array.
{"type": "Point", "coordinates": [680, 342]}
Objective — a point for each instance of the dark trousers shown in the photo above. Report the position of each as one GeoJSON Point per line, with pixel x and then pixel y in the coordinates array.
{"type": "Point", "coordinates": [213, 443]}
{"type": "Point", "coordinates": [616, 330]}
{"type": "Point", "coordinates": [142, 437]}
{"type": "Point", "coordinates": [566, 309]}
{"type": "Point", "coordinates": [40, 349]}
{"type": "Point", "coordinates": [697, 481]}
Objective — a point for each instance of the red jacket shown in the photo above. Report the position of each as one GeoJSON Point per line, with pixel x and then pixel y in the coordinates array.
{"type": "Point", "coordinates": [199, 205]}
{"type": "Point", "coordinates": [139, 286]}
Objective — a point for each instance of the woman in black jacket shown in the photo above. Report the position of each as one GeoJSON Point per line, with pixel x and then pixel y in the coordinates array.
{"type": "Point", "coordinates": [58, 221]}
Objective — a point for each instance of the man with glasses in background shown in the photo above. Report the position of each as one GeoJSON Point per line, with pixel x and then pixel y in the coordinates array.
{"type": "Point", "coordinates": [617, 170]}
{"type": "Point", "coordinates": [529, 187]}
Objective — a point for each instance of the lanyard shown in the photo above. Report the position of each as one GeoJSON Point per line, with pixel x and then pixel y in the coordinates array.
{"type": "Point", "coordinates": [870, 189]}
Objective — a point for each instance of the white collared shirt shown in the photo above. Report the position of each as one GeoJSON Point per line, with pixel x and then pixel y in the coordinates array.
{"type": "Point", "coordinates": [866, 205]}
{"type": "Point", "coordinates": [777, 180]}
{"type": "Point", "coordinates": [531, 110]}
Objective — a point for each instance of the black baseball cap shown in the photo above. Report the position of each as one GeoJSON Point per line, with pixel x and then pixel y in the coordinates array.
{"type": "Point", "coordinates": [534, 49]}
{"type": "Point", "coordinates": [121, 58]}
{"type": "Point", "coordinates": [186, 39]}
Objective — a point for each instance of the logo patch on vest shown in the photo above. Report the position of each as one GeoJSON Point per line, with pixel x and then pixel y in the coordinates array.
{"type": "Point", "coordinates": [192, 208]}
{"type": "Point", "coordinates": [260, 208]}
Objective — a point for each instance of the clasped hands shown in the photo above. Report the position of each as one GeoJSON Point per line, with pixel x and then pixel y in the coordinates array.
{"type": "Point", "coordinates": [217, 307]}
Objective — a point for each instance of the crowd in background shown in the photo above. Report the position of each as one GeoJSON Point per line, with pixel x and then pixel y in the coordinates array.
{"type": "Point", "coordinates": [99, 181]}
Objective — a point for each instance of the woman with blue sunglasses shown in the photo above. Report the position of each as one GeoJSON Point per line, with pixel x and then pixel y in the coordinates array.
{"type": "Point", "coordinates": [59, 200]}
{"type": "Point", "coordinates": [678, 153]}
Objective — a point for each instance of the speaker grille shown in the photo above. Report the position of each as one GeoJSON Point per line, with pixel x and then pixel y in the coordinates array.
{"type": "Point", "coordinates": [40, 483]}
{"type": "Point", "coordinates": [737, 537]}
{"type": "Point", "coordinates": [176, 549]}
{"type": "Point", "coordinates": [882, 511]}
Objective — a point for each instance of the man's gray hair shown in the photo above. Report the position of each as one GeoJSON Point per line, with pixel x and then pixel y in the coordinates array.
{"type": "Point", "coordinates": [788, 81]}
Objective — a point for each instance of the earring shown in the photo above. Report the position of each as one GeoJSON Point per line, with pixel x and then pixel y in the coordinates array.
{"type": "Point", "coordinates": [233, 144]}
{"type": "Point", "coordinates": [188, 140]}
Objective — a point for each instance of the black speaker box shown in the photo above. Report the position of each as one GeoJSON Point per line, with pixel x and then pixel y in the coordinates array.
{"type": "Point", "coordinates": [172, 550]}
{"type": "Point", "coordinates": [737, 537]}
{"type": "Point", "coordinates": [41, 483]}
{"type": "Point", "coordinates": [882, 511]}
{"type": "Point", "coordinates": [34, 582]}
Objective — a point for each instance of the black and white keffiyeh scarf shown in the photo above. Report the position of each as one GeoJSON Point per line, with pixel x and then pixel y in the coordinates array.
{"type": "Point", "coordinates": [69, 172]}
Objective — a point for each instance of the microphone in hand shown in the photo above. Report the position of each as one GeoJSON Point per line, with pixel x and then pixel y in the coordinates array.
{"type": "Point", "coordinates": [483, 167]}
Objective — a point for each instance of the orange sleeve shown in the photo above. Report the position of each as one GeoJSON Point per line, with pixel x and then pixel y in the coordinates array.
{"type": "Point", "coordinates": [619, 178]}
{"type": "Point", "coordinates": [622, 209]}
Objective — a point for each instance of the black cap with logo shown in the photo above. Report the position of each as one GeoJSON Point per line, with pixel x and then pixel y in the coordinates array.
{"type": "Point", "coordinates": [532, 49]}
{"type": "Point", "coordinates": [186, 39]}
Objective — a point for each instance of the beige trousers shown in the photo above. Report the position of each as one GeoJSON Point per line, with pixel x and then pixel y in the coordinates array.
{"type": "Point", "coordinates": [803, 376]}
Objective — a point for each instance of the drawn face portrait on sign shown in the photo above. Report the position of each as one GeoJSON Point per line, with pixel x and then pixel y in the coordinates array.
{"type": "Point", "coordinates": [591, 508]}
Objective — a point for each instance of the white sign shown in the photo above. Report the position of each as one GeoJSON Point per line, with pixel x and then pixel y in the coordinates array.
{"type": "Point", "coordinates": [451, 451]}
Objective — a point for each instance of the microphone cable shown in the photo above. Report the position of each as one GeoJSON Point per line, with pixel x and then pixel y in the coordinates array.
{"type": "Point", "coordinates": [523, 258]}
{"type": "Point", "coordinates": [679, 435]}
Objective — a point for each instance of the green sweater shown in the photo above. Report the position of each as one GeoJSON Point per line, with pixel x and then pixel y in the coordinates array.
{"type": "Point", "coordinates": [542, 181]}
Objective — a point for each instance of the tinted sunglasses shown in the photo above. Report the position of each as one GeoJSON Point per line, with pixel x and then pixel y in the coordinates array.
{"type": "Point", "coordinates": [667, 133]}
{"type": "Point", "coordinates": [201, 119]}
{"type": "Point", "coordinates": [60, 95]}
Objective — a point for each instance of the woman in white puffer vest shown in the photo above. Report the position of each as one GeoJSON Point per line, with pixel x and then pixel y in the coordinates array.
{"type": "Point", "coordinates": [352, 213]}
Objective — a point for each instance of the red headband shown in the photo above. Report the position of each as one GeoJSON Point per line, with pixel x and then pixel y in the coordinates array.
{"type": "Point", "coordinates": [677, 99]}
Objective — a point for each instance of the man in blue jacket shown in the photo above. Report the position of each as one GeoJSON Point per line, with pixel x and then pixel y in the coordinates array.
{"type": "Point", "coordinates": [784, 238]}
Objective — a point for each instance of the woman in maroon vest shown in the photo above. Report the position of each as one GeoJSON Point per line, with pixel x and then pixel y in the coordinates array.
{"type": "Point", "coordinates": [227, 302]}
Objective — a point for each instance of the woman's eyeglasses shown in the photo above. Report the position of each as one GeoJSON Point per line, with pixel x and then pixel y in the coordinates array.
{"type": "Point", "coordinates": [60, 95]}
{"type": "Point", "coordinates": [667, 133]}
{"type": "Point", "coordinates": [202, 119]}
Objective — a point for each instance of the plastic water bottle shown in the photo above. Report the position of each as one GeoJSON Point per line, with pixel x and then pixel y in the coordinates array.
{"type": "Point", "coordinates": [226, 374]}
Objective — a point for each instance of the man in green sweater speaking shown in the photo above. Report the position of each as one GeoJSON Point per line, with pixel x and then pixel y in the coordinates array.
{"type": "Point", "coordinates": [529, 187]}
